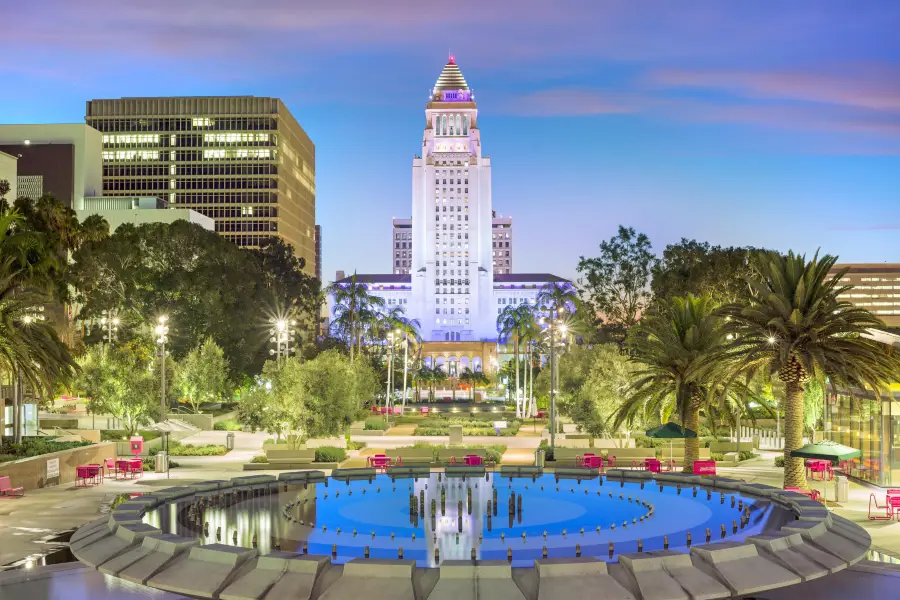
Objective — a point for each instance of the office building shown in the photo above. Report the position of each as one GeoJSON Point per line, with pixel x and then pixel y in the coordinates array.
{"type": "Point", "coordinates": [62, 159]}
{"type": "Point", "coordinates": [401, 240]}
{"type": "Point", "coordinates": [501, 245]}
{"type": "Point", "coordinates": [9, 174]}
{"type": "Point", "coordinates": [243, 161]}
{"type": "Point", "coordinates": [447, 279]}
{"type": "Point", "coordinates": [319, 252]}
{"type": "Point", "coordinates": [876, 287]}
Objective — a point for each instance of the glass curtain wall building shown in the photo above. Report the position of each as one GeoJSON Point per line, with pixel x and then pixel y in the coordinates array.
{"type": "Point", "coordinates": [243, 161]}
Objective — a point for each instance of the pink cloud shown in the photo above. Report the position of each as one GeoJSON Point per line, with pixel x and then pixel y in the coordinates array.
{"type": "Point", "coordinates": [873, 86]}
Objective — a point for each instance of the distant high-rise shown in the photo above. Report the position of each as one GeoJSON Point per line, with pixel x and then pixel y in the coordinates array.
{"type": "Point", "coordinates": [876, 287]}
{"type": "Point", "coordinates": [401, 243]}
{"type": "Point", "coordinates": [501, 245]}
{"type": "Point", "coordinates": [319, 252]}
{"type": "Point", "coordinates": [244, 161]}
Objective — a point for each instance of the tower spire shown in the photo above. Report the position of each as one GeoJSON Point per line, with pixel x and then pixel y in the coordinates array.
{"type": "Point", "coordinates": [452, 59]}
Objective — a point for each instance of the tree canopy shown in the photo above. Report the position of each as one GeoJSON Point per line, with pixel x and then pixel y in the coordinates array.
{"type": "Point", "coordinates": [696, 268]}
{"type": "Point", "coordinates": [207, 286]}
{"type": "Point", "coordinates": [614, 283]}
{"type": "Point", "coordinates": [202, 375]}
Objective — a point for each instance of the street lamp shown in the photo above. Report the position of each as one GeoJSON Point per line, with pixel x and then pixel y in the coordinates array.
{"type": "Point", "coordinates": [162, 333]}
{"type": "Point", "coordinates": [110, 324]}
{"type": "Point", "coordinates": [391, 338]}
{"type": "Point", "coordinates": [405, 367]}
{"type": "Point", "coordinates": [282, 333]}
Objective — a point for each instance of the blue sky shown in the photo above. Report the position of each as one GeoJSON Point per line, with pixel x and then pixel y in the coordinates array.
{"type": "Point", "coordinates": [739, 123]}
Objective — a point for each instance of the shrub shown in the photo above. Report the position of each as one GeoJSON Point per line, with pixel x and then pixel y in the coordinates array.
{"type": "Point", "coordinates": [717, 455]}
{"type": "Point", "coordinates": [779, 462]}
{"type": "Point", "coordinates": [330, 454]}
{"type": "Point", "coordinates": [351, 445]}
{"type": "Point", "coordinates": [177, 449]}
{"type": "Point", "coordinates": [376, 424]}
{"type": "Point", "coordinates": [35, 446]}
{"type": "Point", "coordinates": [228, 425]}
{"type": "Point", "coordinates": [747, 455]}
{"type": "Point", "coordinates": [150, 463]}
{"type": "Point", "coordinates": [274, 441]}
{"type": "Point", "coordinates": [260, 459]}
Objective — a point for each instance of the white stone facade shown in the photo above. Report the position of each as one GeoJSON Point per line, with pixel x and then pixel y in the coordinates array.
{"type": "Point", "coordinates": [454, 271]}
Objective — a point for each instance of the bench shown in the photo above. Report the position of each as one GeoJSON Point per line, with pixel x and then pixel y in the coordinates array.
{"type": "Point", "coordinates": [293, 457]}
{"type": "Point", "coordinates": [704, 467]}
{"type": "Point", "coordinates": [8, 491]}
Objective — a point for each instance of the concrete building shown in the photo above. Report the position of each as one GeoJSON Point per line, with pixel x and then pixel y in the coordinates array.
{"type": "Point", "coordinates": [401, 242]}
{"type": "Point", "coordinates": [876, 287]}
{"type": "Point", "coordinates": [502, 244]}
{"type": "Point", "coordinates": [137, 210]}
{"type": "Point", "coordinates": [243, 161]}
{"type": "Point", "coordinates": [447, 278]}
{"type": "Point", "coordinates": [62, 159]}
{"type": "Point", "coordinates": [319, 252]}
{"type": "Point", "coordinates": [9, 174]}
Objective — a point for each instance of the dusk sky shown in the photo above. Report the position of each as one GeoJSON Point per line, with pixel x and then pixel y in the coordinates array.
{"type": "Point", "coordinates": [772, 124]}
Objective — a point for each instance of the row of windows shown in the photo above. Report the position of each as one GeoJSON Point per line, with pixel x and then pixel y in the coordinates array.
{"type": "Point", "coordinates": [403, 236]}
{"type": "Point", "coordinates": [450, 336]}
{"type": "Point", "coordinates": [249, 240]}
{"type": "Point", "coordinates": [515, 301]}
{"type": "Point", "coordinates": [188, 184]}
{"type": "Point", "coordinates": [444, 182]}
{"type": "Point", "coordinates": [227, 198]}
{"type": "Point", "coordinates": [451, 282]}
{"type": "Point", "coordinates": [183, 124]}
{"type": "Point", "coordinates": [502, 263]}
{"type": "Point", "coordinates": [497, 236]}
{"type": "Point", "coordinates": [499, 253]}
{"type": "Point", "coordinates": [437, 311]}
{"type": "Point", "coordinates": [238, 153]}
{"type": "Point", "coordinates": [458, 291]}
{"type": "Point", "coordinates": [234, 212]}
{"type": "Point", "coordinates": [500, 245]}
{"type": "Point", "coordinates": [451, 124]}
{"type": "Point", "coordinates": [188, 170]}
{"type": "Point", "coordinates": [402, 245]}
{"type": "Point", "coordinates": [232, 226]}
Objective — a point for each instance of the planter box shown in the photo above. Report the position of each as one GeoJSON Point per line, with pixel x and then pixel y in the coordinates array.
{"type": "Point", "coordinates": [372, 432]}
{"type": "Point", "coordinates": [31, 473]}
{"type": "Point", "coordinates": [284, 455]}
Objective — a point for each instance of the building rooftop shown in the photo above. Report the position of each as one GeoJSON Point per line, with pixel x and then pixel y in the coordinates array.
{"type": "Point", "coordinates": [451, 79]}
{"type": "Point", "coordinates": [529, 278]}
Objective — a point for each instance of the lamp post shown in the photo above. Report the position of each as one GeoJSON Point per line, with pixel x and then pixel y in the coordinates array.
{"type": "Point", "coordinates": [282, 333]}
{"type": "Point", "coordinates": [110, 323]}
{"type": "Point", "coordinates": [391, 337]}
{"type": "Point", "coordinates": [162, 332]}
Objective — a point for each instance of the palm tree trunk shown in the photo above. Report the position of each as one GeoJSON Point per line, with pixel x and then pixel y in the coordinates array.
{"type": "Point", "coordinates": [518, 403]}
{"type": "Point", "coordinates": [794, 471]}
{"type": "Point", "coordinates": [692, 445]}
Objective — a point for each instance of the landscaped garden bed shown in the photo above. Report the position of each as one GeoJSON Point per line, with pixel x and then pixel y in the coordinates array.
{"type": "Point", "coordinates": [436, 426]}
{"type": "Point", "coordinates": [177, 449]}
{"type": "Point", "coordinates": [33, 446]}
{"type": "Point", "coordinates": [280, 456]}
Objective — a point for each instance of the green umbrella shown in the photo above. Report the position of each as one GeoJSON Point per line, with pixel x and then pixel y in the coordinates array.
{"type": "Point", "coordinates": [826, 450]}
{"type": "Point", "coordinates": [670, 431]}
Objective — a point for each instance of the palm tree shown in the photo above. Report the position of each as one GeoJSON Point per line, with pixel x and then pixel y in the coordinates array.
{"type": "Point", "coordinates": [353, 307]}
{"type": "Point", "coordinates": [674, 347]}
{"type": "Point", "coordinates": [438, 375]}
{"type": "Point", "coordinates": [515, 321]}
{"type": "Point", "coordinates": [794, 325]}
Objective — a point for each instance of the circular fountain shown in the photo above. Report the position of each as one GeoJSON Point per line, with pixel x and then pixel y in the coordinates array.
{"type": "Point", "coordinates": [724, 534]}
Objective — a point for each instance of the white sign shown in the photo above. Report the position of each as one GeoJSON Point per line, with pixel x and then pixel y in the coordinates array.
{"type": "Point", "coordinates": [52, 468]}
{"type": "Point", "coordinates": [499, 424]}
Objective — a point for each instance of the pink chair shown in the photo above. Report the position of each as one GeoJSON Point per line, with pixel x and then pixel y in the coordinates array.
{"type": "Point", "coordinates": [8, 491]}
{"type": "Point", "coordinates": [473, 460]}
{"type": "Point", "coordinates": [82, 475]}
{"type": "Point", "coordinates": [136, 466]}
{"type": "Point", "coordinates": [110, 465]}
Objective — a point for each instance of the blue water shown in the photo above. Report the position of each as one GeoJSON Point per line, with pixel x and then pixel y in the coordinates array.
{"type": "Point", "coordinates": [560, 509]}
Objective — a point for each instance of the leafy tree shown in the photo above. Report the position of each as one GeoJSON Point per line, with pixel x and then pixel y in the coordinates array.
{"type": "Point", "coordinates": [674, 347]}
{"type": "Point", "coordinates": [794, 325]}
{"type": "Point", "coordinates": [297, 400]}
{"type": "Point", "coordinates": [203, 375]}
{"type": "Point", "coordinates": [692, 267]}
{"type": "Point", "coordinates": [122, 381]}
{"type": "Point", "coordinates": [206, 285]}
{"type": "Point", "coordinates": [614, 283]}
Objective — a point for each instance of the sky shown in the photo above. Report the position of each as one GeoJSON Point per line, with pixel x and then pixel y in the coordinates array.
{"type": "Point", "coordinates": [771, 124]}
